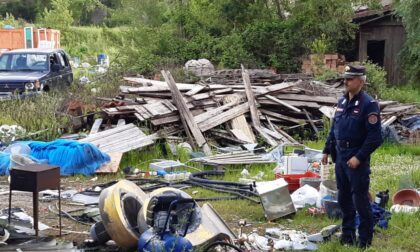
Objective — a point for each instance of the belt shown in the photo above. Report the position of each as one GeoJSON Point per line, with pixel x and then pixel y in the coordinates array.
{"type": "Point", "coordinates": [348, 144]}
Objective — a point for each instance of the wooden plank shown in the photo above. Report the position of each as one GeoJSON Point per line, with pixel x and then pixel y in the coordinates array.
{"type": "Point", "coordinates": [267, 138]}
{"type": "Point", "coordinates": [251, 99]}
{"type": "Point", "coordinates": [298, 97]}
{"type": "Point", "coordinates": [224, 117]}
{"type": "Point", "coordinates": [239, 125]}
{"type": "Point", "coordinates": [211, 113]}
{"type": "Point", "coordinates": [283, 103]}
{"type": "Point", "coordinates": [310, 121]}
{"type": "Point", "coordinates": [165, 120]}
{"type": "Point", "coordinates": [327, 111]}
{"type": "Point", "coordinates": [185, 113]}
{"type": "Point", "coordinates": [201, 96]}
{"type": "Point", "coordinates": [109, 132]}
{"type": "Point", "coordinates": [222, 91]}
{"type": "Point", "coordinates": [139, 117]}
{"type": "Point", "coordinates": [265, 101]}
{"type": "Point", "coordinates": [224, 136]}
{"type": "Point", "coordinates": [282, 117]}
{"type": "Point", "coordinates": [195, 90]}
{"type": "Point", "coordinates": [163, 85]}
{"type": "Point", "coordinates": [113, 165]}
{"type": "Point", "coordinates": [389, 121]}
{"type": "Point", "coordinates": [239, 134]}
{"type": "Point", "coordinates": [95, 127]}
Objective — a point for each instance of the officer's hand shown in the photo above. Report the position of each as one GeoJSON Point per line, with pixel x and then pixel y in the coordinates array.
{"type": "Point", "coordinates": [324, 159]}
{"type": "Point", "coordinates": [353, 162]}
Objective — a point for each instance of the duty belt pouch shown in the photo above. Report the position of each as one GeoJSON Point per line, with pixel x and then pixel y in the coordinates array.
{"type": "Point", "coordinates": [333, 151]}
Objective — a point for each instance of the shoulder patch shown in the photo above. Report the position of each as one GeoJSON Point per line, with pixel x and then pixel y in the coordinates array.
{"type": "Point", "coordinates": [373, 118]}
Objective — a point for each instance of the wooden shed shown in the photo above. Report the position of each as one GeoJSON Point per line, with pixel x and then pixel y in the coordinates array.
{"type": "Point", "coordinates": [29, 37]}
{"type": "Point", "coordinates": [380, 40]}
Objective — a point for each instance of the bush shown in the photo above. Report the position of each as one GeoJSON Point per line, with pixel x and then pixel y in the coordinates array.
{"type": "Point", "coordinates": [376, 78]}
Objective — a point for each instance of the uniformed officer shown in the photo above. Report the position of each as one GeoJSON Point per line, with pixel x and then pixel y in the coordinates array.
{"type": "Point", "coordinates": [354, 135]}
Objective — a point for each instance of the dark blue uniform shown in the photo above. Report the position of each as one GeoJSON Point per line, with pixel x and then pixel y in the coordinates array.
{"type": "Point", "coordinates": [356, 131]}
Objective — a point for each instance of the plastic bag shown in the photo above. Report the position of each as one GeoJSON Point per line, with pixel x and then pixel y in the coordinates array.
{"type": "Point", "coordinates": [305, 195]}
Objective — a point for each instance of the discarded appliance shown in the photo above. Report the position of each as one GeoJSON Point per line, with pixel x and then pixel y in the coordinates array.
{"type": "Point", "coordinates": [205, 226]}
{"type": "Point", "coordinates": [170, 215]}
{"type": "Point", "coordinates": [128, 213]}
{"type": "Point", "coordinates": [275, 199]}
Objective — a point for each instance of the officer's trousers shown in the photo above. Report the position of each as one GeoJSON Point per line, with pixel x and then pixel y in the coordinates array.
{"type": "Point", "coordinates": [353, 189]}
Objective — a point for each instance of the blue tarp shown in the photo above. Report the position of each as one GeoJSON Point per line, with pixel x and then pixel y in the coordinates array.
{"type": "Point", "coordinates": [72, 157]}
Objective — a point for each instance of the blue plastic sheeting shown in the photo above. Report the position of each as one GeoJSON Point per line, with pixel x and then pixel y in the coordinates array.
{"type": "Point", "coordinates": [390, 134]}
{"type": "Point", "coordinates": [380, 216]}
{"type": "Point", "coordinates": [412, 122]}
{"type": "Point", "coordinates": [72, 157]}
{"type": "Point", "coordinates": [4, 163]}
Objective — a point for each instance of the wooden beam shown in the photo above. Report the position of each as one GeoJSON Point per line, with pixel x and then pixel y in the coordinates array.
{"type": "Point", "coordinates": [224, 117]}
{"type": "Point", "coordinates": [251, 99]}
{"type": "Point", "coordinates": [283, 103]}
{"type": "Point", "coordinates": [240, 127]}
{"type": "Point", "coordinates": [185, 113]}
{"type": "Point", "coordinates": [310, 121]}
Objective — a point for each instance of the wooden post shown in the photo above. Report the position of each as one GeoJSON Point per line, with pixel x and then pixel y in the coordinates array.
{"type": "Point", "coordinates": [251, 99]}
{"type": "Point", "coordinates": [185, 113]}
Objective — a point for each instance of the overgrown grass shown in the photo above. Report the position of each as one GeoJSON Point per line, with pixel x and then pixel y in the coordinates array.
{"type": "Point", "coordinates": [404, 94]}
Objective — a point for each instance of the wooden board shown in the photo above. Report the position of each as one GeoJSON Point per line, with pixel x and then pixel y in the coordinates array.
{"type": "Point", "coordinates": [185, 113]}
{"type": "Point", "coordinates": [224, 117]}
{"type": "Point", "coordinates": [113, 165]}
{"type": "Point", "coordinates": [239, 125]}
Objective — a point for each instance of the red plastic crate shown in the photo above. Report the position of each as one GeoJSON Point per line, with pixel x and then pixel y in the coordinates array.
{"type": "Point", "coordinates": [294, 179]}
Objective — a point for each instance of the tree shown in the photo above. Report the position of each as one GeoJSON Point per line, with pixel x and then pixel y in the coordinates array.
{"type": "Point", "coordinates": [59, 16]}
{"type": "Point", "coordinates": [410, 55]}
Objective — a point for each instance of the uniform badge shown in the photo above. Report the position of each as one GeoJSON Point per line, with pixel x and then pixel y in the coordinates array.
{"type": "Point", "coordinates": [356, 111]}
{"type": "Point", "coordinates": [373, 118]}
{"type": "Point", "coordinates": [339, 109]}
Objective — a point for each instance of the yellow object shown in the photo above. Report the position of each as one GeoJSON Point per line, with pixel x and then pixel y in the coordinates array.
{"type": "Point", "coordinates": [119, 205]}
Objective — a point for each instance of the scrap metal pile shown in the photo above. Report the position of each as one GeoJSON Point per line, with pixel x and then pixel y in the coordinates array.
{"type": "Point", "coordinates": [239, 106]}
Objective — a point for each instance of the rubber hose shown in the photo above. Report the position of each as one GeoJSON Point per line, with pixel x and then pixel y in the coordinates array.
{"type": "Point", "coordinates": [197, 178]}
{"type": "Point", "coordinates": [230, 192]}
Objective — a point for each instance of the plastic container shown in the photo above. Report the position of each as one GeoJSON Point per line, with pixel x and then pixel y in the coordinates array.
{"type": "Point", "coordinates": [327, 188]}
{"type": "Point", "coordinates": [294, 179]}
{"type": "Point", "coordinates": [409, 197]}
{"type": "Point", "coordinates": [314, 182]}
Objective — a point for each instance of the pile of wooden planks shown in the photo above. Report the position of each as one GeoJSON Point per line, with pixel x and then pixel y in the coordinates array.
{"type": "Point", "coordinates": [235, 106]}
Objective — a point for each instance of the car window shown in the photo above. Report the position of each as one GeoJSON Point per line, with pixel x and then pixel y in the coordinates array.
{"type": "Point", "coordinates": [61, 59]}
{"type": "Point", "coordinates": [3, 61]}
{"type": "Point", "coordinates": [24, 62]}
{"type": "Point", "coordinates": [64, 57]}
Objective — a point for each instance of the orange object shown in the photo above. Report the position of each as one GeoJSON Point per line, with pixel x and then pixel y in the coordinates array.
{"type": "Point", "coordinates": [15, 38]}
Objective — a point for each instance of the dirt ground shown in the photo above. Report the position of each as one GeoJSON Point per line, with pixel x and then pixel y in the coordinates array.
{"type": "Point", "coordinates": [72, 231]}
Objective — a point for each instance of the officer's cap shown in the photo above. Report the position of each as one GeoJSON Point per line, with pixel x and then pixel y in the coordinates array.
{"type": "Point", "coordinates": [352, 71]}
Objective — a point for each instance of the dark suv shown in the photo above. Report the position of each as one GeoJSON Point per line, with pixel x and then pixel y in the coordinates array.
{"type": "Point", "coordinates": [28, 71]}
